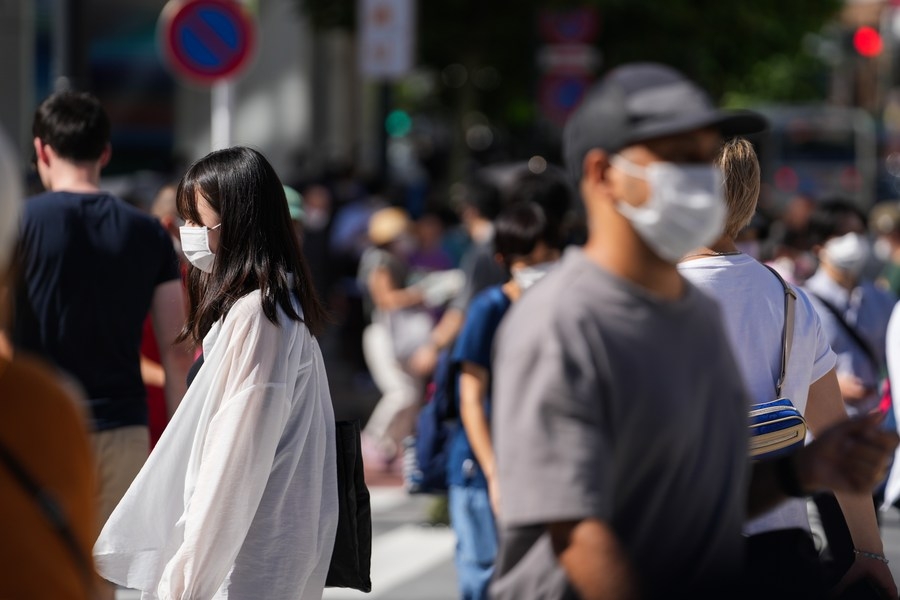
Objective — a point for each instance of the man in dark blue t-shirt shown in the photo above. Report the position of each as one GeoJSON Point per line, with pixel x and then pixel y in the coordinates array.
{"type": "Point", "coordinates": [91, 269]}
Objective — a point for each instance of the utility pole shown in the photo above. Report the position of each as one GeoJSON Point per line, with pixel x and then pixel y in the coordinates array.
{"type": "Point", "coordinates": [70, 48]}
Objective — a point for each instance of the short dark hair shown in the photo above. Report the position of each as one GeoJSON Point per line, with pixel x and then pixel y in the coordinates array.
{"type": "Point", "coordinates": [549, 191]}
{"type": "Point", "coordinates": [258, 249]}
{"type": "Point", "coordinates": [518, 229]}
{"type": "Point", "coordinates": [825, 220]}
{"type": "Point", "coordinates": [74, 124]}
{"type": "Point", "coordinates": [484, 196]}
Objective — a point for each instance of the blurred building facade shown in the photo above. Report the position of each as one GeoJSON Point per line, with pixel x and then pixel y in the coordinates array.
{"type": "Point", "coordinates": [300, 101]}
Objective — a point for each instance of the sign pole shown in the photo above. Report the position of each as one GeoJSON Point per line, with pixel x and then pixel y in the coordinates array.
{"type": "Point", "coordinates": [208, 43]}
{"type": "Point", "coordinates": [222, 106]}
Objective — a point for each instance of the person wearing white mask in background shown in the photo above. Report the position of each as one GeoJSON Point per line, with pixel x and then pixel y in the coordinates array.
{"type": "Point", "coordinates": [521, 235]}
{"type": "Point", "coordinates": [854, 312]}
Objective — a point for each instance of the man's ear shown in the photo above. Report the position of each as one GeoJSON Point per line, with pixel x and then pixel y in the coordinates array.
{"type": "Point", "coordinates": [40, 151]}
{"type": "Point", "coordinates": [594, 171]}
{"type": "Point", "coordinates": [105, 155]}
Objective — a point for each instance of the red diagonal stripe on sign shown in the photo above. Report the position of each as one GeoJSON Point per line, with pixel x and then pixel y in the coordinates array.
{"type": "Point", "coordinates": [210, 38]}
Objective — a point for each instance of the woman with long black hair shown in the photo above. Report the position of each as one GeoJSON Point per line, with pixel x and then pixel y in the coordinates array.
{"type": "Point", "coordinates": [239, 498]}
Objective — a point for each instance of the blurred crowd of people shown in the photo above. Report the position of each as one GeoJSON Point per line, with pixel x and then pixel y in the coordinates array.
{"type": "Point", "coordinates": [602, 403]}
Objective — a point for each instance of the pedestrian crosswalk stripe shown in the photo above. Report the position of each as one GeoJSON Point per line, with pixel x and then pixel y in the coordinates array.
{"type": "Point", "coordinates": [383, 499]}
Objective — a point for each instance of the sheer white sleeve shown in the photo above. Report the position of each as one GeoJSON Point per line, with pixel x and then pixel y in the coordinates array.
{"type": "Point", "coordinates": [235, 460]}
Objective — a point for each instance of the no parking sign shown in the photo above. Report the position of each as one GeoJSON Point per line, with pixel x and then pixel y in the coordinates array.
{"type": "Point", "coordinates": [205, 41]}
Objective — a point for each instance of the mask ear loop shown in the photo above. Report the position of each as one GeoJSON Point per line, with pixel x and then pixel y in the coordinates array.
{"type": "Point", "coordinates": [629, 168]}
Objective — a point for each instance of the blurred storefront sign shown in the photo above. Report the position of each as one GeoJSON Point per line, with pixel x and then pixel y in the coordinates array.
{"type": "Point", "coordinates": [567, 60]}
{"type": "Point", "coordinates": [386, 38]}
{"type": "Point", "coordinates": [559, 95]}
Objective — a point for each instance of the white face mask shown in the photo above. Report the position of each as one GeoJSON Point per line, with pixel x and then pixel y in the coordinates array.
{"type": "Point", "coordinates": [882, 249]}
{"type": "Point", "coordinates": [195, 245]}
{"type": "Point", "coordinates": [685, 210]}
{"type": "Point", "coordinates": [849, 252]}
{"type": "Point", "coordinates": [525, 277]}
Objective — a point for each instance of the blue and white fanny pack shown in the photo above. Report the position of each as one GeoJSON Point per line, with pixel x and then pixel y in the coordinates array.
{"type": "Point", "coordinates": [777, 427]}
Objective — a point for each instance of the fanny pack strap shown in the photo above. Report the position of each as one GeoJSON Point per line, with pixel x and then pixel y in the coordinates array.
{"type": "Point", "coordinates": [787, 333]}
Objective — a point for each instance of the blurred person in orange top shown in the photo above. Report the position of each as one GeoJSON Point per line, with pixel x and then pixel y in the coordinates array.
{"type": "Point", "coordinates": [47, 486]}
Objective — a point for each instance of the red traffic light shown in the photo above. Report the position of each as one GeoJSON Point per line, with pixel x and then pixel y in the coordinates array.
{"type": "Point", "coordinates": [867, 42]}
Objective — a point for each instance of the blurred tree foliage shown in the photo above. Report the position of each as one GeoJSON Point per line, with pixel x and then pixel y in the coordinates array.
{"type": "Point", "coordinates": [746, 48]}
{"type": "Point", "coordinates": [752, 50]}
{"type": "Point", "coordinates": [742, 52]}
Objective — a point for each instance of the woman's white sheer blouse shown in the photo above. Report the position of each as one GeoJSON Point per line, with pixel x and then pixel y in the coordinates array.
{"type": "Point", "coordinates": [239, 497]}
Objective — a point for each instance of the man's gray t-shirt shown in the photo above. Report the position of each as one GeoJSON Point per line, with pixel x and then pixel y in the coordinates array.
{"type": "Point", "coordinates": [613, 404]}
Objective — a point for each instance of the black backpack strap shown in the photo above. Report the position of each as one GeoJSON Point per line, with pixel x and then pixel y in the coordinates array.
{"type": "Point", "coordinates": [51, 510]}
{"type": "Point", "coordinates": [855, 335]}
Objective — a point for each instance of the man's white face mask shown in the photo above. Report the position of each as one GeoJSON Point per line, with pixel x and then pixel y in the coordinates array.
{"type": "Point", "coordinates": [849, 252]}
{"type": "Point", "coordinates": [685, 209]}
{"type": "Point", "coordinates": [525, 277]}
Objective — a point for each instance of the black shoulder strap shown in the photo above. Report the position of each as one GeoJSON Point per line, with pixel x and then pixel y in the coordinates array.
{"type": "Point", "coordinates": [860, 341]}
{"type": "Point", "coordinates": [51, 510]}
{"type": "Point", "coordinates": [787, 332]}
{"type": "Point", "coordinates": [195, 368]}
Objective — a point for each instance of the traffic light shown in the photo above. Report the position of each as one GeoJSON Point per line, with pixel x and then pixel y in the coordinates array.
{"type": "Point", "coordinates": [398, 123]}
{"type": "Point", "coordinates": [867, 42]}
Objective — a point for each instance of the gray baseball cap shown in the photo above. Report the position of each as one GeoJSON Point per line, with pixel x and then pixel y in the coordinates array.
{"type": "Point", "coordinates": [642, 101]}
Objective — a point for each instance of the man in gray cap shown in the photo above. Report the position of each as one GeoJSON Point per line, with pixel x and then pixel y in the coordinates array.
{"type": "Point", "coordinates": [618, 425]}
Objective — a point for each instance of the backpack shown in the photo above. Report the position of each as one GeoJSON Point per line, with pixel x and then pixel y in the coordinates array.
{"type": "Point", "coordinates": [425, 452]}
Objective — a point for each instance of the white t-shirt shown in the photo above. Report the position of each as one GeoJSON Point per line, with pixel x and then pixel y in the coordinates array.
{"type": "Point", "coordinates": [892, 489]}
{"type": "Point", "coordinates": [239, 497]}
{"type": "Point", "coordinates": [752, 303]}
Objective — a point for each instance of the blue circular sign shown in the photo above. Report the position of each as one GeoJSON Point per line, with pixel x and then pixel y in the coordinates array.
{"type": "Point", "coordinates": [207, 40]}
